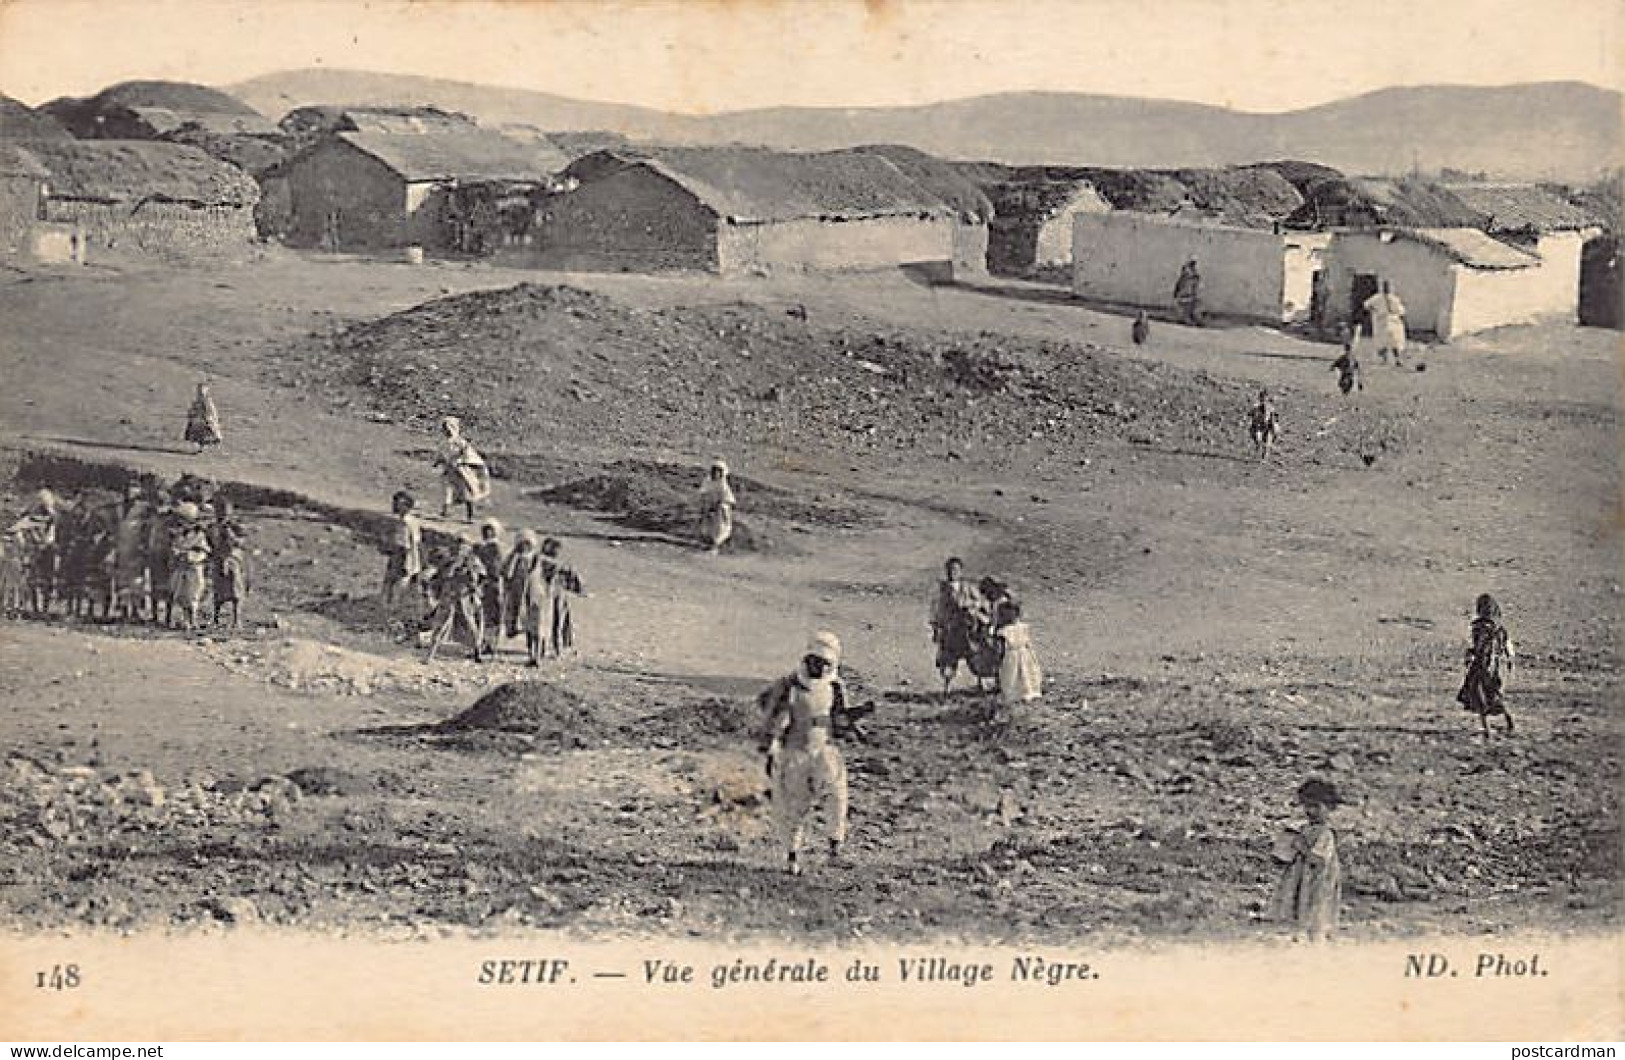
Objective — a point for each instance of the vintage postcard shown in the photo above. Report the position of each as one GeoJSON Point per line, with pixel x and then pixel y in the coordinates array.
{"type": "Point", "coordinates": [810, 520]}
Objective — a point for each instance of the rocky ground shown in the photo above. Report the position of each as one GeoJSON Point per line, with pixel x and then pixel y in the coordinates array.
{"type": "Point", "coordinates": [1214, 630]}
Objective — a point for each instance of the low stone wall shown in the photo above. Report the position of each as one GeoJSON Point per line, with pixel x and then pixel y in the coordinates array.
{"type": "Point", "coordinates": [156, 227]}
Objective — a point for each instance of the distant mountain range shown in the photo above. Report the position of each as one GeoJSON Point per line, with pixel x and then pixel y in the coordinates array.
{"type": "Point", "coordinates": [1561, 130]}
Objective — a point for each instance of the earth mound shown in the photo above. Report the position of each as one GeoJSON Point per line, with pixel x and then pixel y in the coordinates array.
{"type": "Point", "coordinates": [708, 721]}
{"type": "Point", "coordinates": [554, 716]}
{"type": "Point", "coordinates": [544, 363]}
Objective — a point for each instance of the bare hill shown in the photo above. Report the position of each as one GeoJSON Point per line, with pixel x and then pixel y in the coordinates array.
{"type": "Point", "coordinates": [1561, 129]}
{"type": "Point", "coordinates": [535, 366]}
{"type": "Point", "coordinates": [21, 122]}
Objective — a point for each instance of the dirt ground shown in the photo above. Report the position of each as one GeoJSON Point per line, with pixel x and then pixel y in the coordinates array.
{"type": "Point", "coordinates": [1214, 630]}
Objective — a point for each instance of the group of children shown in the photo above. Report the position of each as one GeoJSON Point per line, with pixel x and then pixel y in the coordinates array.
{"type": "Point", "coordinates": [156, 554]}
{"type": "Point", "coordinates": [981, 626]}
{"type": "Point", "coordinates": [153, 555]}
{"type": "Point", "coordinates": [480, 591]}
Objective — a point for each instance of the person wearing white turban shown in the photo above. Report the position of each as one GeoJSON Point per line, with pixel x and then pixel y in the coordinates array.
{"type": "Point", "coordinates": [805, 766]}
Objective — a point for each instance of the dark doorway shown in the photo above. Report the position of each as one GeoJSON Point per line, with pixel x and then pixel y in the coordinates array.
{"type": "Point", "coordinates": [1599, 284]}
{"type": "Point", "coordinates": [1365, 285]}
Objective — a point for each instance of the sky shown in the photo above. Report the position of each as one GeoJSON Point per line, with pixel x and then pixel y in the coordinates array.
{"type": "Point", "coordinates": [700, 56]}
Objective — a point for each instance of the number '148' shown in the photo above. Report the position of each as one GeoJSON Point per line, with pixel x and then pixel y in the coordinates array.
{"type": "Point", "coordinates": [60, 977]}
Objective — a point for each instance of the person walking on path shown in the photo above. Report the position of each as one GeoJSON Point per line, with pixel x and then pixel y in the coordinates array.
{"type": "Point", "coordinates": [717, 504]}
{"type": "Point", "coordinates": [1387, 323]}
{"type": "Point", "coordinates": [203, 420]}
{"type": "Point", "coordinates": [1188, 294]}
{"type": "Point", "coordinates": [1347, 366]}
{"type": "Point", "coordinates": [1264, 426]}
{"type": "Point", "coordinates": [1489, 657]}
{"type": "Point", "coordinates": [796, 737]}
{"type": "Point", "coordinates": [466, 478]}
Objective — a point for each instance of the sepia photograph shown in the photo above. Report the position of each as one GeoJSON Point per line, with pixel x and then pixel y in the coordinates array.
{"type": "Point", "coordinates": [810, 519]}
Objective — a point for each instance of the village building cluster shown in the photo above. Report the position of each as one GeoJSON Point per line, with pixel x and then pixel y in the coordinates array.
{"type": "Point", "coordinates": [162, 169]}
{"type": "Point", "coordinates": [178, 169]}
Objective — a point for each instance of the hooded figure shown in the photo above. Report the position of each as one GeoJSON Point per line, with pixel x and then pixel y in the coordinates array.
{"type": "Point", "coordinates": [466, 478]}
{"type": "Point", "coordinates": [716, 508]}
{"type": "Point", "coordinates": [796, 736]}
{"type": "Point", "coordinates": [1489, 657]}
{"type": "Point", "coordinates": [203, 420]}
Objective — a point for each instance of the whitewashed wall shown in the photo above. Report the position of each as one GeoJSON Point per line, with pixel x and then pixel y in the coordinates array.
{"type": "Point", "coordinates": [873, 243]}
{"type": "Point", "coordinates": [1134, 260]}
{"type": "Point", "coordinates": [1422, 277]}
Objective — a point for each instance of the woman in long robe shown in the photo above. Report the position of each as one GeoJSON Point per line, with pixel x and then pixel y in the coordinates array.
{"type": "Point", "coordinates": [717, 503]}
{"type": "Point", "coordinates": [1489, 657]}
{"type": "Point", "coordinates": [467, 479]}
{"type": "Point", "coordinates": [203, 420]}
{"type": "Point", "coordinates": [1387, 323]}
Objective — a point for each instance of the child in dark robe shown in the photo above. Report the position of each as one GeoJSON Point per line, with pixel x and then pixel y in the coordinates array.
{"type": "Point", "coordinates": [230, 561]}
{"type": "Point", "coordinates": [1489, 656]}
{"type": "Point", "coordinates": [1265, 425]}
{"type": "Point", "coordinates": [491, 557]}
{"type": "Point", "coordinates": [1347, 366]}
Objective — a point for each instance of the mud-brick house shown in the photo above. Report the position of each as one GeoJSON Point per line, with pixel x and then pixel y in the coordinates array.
{"type": "Point", "coordinates": [973, 211]}
{"type": "Point", "coordinates": [1537, 221]}
{"type": "Point", "coordinates": [376, 187]}
{"type": "Point", "coordinates": [1453, 281]}
{"type": "Point", "coordinates": [1032, 223]}
{"type": "Point", "coordinates": [146, 196]}
{"type": "Point", "coordinates": [22, 192]}
{"type": "Point", "coordinates": [745, 211]}
{"type": "Point", "coordinates": [1134, 259]}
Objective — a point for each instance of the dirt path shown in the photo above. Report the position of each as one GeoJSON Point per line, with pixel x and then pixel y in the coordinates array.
{"type": "Point", "coordinates": [1215, 628]}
